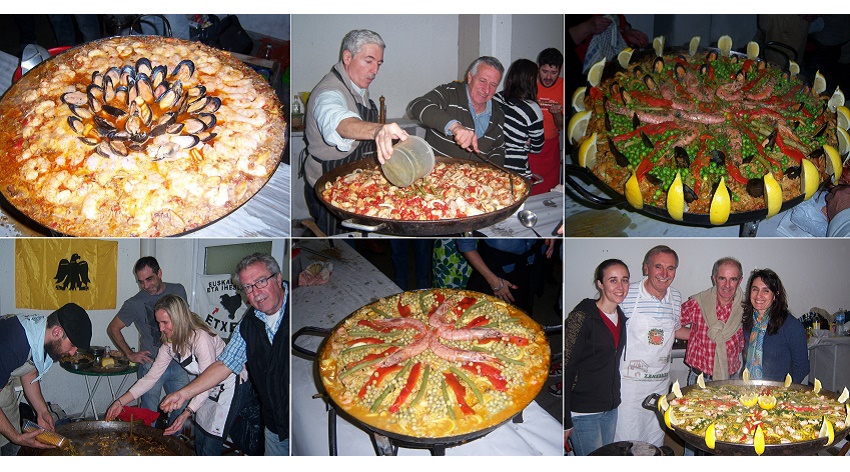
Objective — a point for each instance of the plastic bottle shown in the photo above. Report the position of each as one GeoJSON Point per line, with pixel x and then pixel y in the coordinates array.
{"type": "Point", "coordinates": [297, 117]}
{"type": "Point", "coordinates": [839, 322]}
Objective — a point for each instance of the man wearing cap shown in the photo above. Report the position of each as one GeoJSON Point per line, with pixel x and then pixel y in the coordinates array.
{"type": "Point", "coordinates": [28, 346]}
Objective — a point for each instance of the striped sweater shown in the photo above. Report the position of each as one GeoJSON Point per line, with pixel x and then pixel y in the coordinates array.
{"type": "Point", "coordinates": [523, 132]}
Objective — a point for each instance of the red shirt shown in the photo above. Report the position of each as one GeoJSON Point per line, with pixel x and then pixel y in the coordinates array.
{"type": "Point", "coordinates": [546, 96]}
{"type": "Point", "coordinates": [615, 330]}
{"type": "Point", "coordinates": [700, 353]}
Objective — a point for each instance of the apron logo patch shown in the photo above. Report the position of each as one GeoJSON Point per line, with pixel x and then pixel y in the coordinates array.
{"type": "Point", "coordinates": [655, 337]}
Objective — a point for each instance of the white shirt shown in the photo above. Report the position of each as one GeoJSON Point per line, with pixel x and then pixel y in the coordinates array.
{"type": "Point", "coordinates": [330, 109]}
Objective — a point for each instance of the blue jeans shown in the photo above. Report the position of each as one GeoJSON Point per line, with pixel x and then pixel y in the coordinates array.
{"type": "Point", "coordinates": [173, 379]}
{"type": "Point", "coordinates": [590, 432]}
{"type": "Point", "coordinates": [422, 249]}
{"type": "Point", "coordinates": [274, 446]}
{"type": "Point", "coordinates": [206, 444]}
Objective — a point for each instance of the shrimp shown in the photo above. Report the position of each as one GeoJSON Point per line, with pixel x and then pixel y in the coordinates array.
{"type": "Point", "coordinates": [438, 318]}
{"type": "Point", "coordinates": [411, 350]}
{"type": "Point", "coordinates": [453, 355]}
{"type": "Point", "coordinates": [470, 334]}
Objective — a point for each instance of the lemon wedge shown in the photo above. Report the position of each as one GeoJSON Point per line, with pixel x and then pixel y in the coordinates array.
{"type": "Point", "coordinates": [836, 100]}
{"type": "Point", "coordinates": [817, 387]}
{"type": "Point", "coordinates": [676, 389]}
{"type": "Point", "coordinates": [745, 375]}
{"type": "Point", "coordinates": [819, 85]}
{"type": "Point", "coordinates": [658, 45]}
{"type": "Point", "coordinates": [843, 117]}
{"type": "Point", "coordinates": [767, 402]}
{"type": "Point", "coordinates": [578, 99]}
{"type": "Point", "coordinates": [847, 416]}
{"type": "Point", "coordinates": [787, 380]}
{"type": "Point", "coordinates": [701, 381]}
{"type": "Point", "coordinates": [587, 152]}
{"type": "Point", "coordinates": [844, 395]}
{"type": "Point", "coordinates": [594, 75]}
{"type": "Point", "coordinates": [772, 195]}
{"type": "Point", "coordinates": [811, 179]}
{"type": "Point", "coordinates": [793, 68]}
{"type": "Point", "coordinates": [752, 50]}
{"type": "Point", "coordinates": [625, 57]}
{"type": "Point", "coordinates": [676, 198]}
{"type": "Point", "coordinates": [827, 431]}
{"type": "Point", "coordinates": [724, 43]}
{"type": "Point", "coordinates": [670, 418]}
{"type": "Point", "coordinates": [749, 400]}
{"type": "Point", "coordinates": [721, 204]}
{"type": "Point", "coordinates": [693, 47]}
{"type": "Point", "coordinates": [833, 163]}
{"type": "Point", "coordinates": [578, 126]}
{"type": "Point", "coordinates": [663, 404]}
{"type": "Point", "coordinates": [843, 140]}
{"type": "Point", "coordinates": [758, 441]}
{"type": "Point", "coordinates": [710, 437]}
{"type": "Point", "coordinates": [633, 195]}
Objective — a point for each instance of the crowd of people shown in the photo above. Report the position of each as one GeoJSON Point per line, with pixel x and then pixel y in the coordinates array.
{"type": "Point", "coordinates": [518, 127]}
{"type": "Point", "coordinates": [174, 342]}
{"type": "Point", "coordinates": [618, 347]}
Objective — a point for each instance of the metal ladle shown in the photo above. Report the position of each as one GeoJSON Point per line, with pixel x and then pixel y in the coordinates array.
{"type": "Point", "coordinates": [528, 219]}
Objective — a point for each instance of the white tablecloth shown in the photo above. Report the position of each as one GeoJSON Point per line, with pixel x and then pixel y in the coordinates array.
{"type": "Point", "coordinates": [354, 283]}
{"type": "Point", "coordinates": [827, 361]}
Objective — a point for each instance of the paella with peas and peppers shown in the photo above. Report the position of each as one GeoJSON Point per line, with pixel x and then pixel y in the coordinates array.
{"type": "Point", "coordinates": [435, 363]}
{"type": "Point", "coordinates": [708, 130]}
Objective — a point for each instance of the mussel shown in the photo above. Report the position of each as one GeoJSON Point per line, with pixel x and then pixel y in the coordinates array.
{"type": "Point", "coordinates": [646, 141]}
{"type": "Point", "coordinates": [76, 124]}
{"type": "Point", "coordinates": [186, 141]}
{"type": "Point", "coordinates": [652, 179]}
{"type": "Point", "coordinates": [755, 187]}
{"type": "Point", "coordinates": [690, 195]}
{"type": "Point", "coordinates": [658, 65]}
{"type": "Point", "coordinates": [680, 72]}
{"type": "Point", "coordinates": [635, 121]}
{"type": "Point", "coordinates": [167, 151]}
{"type": "Point", "coordinates": [817, 153]}
{"type": "Point", "coordinates": [718, 157]}
{"type": "Point", "coordinates": [614, 88]}
{"type": "Point", "coordinates": [111, 110]}
{"type": "Point", "coordinates": [209, 119]}
{"type": "Point", "coordinates": [821, 130]}
{"type": "Point", "coordinates": [649, 81]}
{"type": "Point", "coordinates": [619, 157]}
{"type": "Point", "coordinates": [144, 88]}
{"type": "Point", "coordinates": [75, 98]}
{"type": "Point", "coordinates": [712, 56]}
{"type": "Point", "coordinates": [158, 75]}
{"type": "Point", "coordinates": [184, 70]}
{"type": "Point", "coordinates": [681, 158]}
{"type": "Point", "coordinates": [113, 74]}
{"type": "Point", "coordinates": [144, 66]}
{"type": "Point", "coordinates": [704, 69]}
{"type": "Point", "coordinates": [80, 111]}
{"type": "Point", "coordinates": [793, 172]}
{"type": "Point", "coordinates": [118, 148]}
{"type": "Point", "coordinates": [627, 97]}
{"type": "Point", "coordinates": [770, 140]}
{"type": "Point", "coordinates": [638, 72]}
{"type": "Point", "coordinates": [733, 59]}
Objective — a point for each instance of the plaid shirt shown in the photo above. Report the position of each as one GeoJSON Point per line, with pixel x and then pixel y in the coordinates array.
{"type": "Point", "coordinates": [235, 354]}
{"type": "Point", "coordinates": [700, 353]}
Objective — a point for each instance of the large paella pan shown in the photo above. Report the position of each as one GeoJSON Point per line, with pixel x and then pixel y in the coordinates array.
{"type": "Point", "coordinates": [708, 136]}
{"type": "Point", "coordinates": [113, 438]}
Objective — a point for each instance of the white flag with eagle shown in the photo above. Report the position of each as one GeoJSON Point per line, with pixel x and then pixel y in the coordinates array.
{"type": "Point", "coordinates": [219, 304]}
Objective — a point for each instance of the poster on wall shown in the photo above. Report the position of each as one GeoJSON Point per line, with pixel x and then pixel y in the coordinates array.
{"type": "Point", "coordinates": [52, 272]}
{"type": "Point", "coordinates": [219, 304]}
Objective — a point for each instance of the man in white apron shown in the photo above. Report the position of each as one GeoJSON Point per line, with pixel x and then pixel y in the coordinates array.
{"type": "Point", "coordinates": [653, 309]}
{"type": "Point", "coordinates": [30, 344]}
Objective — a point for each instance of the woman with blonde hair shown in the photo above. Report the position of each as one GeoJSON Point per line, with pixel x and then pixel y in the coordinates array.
{"type": "Point", "coordinates": [195, 346]}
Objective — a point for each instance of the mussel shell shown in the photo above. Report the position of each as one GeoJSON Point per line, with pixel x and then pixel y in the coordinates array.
{"type": "Point", "coordinates": [209, 119]}
{"type": "Point", "coordinates": [690, 195]}
{"type": "Point", "coordinates": [108, 91]}
{"type": "Point", "coordinates": [158, 130]}
{"type": "Point", "coordinates": [118, 148]}
{"type": "Point", "coordinates": [798, 107]}
{"type": "Point", "coordinates": [121, 96]}
{"type": "Point", "coordinates": [103, 149]}
{"type": "Point", "coordinates": [144, 88]}
{"type": "Point", "coordinates": [821, 130]}
{"type": "Point", "coordinates": [158, 75]}
{"type": "Point", "coordinates": [127, 73]}
{"type": "Point", "coordinates": [146, 114]}
{"type": "Point", "coordinates": [175, 128]}
{"type": "Point", "coordinates": [80, 111]}
{"type": "Point", "coordinates": [116, 112]}
{"type": "Point", "coordinates": [184, 69]}
{"type": "Point", "coordinates": [770, 140]}
{"type": "Point", "coordinates": [95, 105]}
{"type": "Point", "coordinates": [186, 141]}
{"type": "Point", "coordinates": [733, 59]}
{"type": "Point", "coordinates": [614, 88]}
{"type": "Point", "coordinates": [76, 124]}
{"type": "Point", "coordinates": [118, 135]}
{"type": "Point", "coordinates": [97, 78]}
{"type": "Point", "coordinates": [817, 153]}
{"type": "Point", "coordinates": [646, 141]}
{"type": "Point", "coordinates": [205, 136]}
{"type": "Point", "coordinates": [167, 118]}
{"type": "Point", "coordinates": [638, 72]}
{"type": "Point", "coordinates": [649, 81]}
{"type": "Point", "coordinates": [658, 65]}
{"type": "Point", "coordinates": [626, 97]}
{"type": "Point", "coordinates": [198, 105]}
{"type": "Point", "coordinates": [114, 74]}
{"type": "Point", "coordinates": [703, 69]}
{"type": "Point", "coordinates": [607, 119]}
{"type": "Point", "coordinates": [89, 141]}
{"type": "Point", "coordinates": [712, 56]}
{"type": "Point", "coordinates": [167, 99]}
{"type": "Point", "coordinates": [681, 158]}
{"type": "Point", "coordinates": [133, 125]}
{"type": "Point", "coordinates": [75, 98]}
{"type": "Point", "coordinates": [144, 66]}
{"type": "Point", "coordinates": [619, 157]}
{"type": "Point", "coordinates": [194, 125]}
{"type": "Point", "coordinates": [167, 151]}
{"type": "Point", "coordinates": [761, 65]}
{"type": "Point", "coordinates": [102, 123]}
{"type": "Point", "coordinates": [748, 158]}
{"type": "Point", "coordinates": [755, 187]}
{"type": "Point", "coordinates": [680, 72]}
{"type": "Point", "coordinates": [718, 157]}
{"type": "Point", "coordinates": [793, 172]}
{"type": "Point", "coordinates": [139, 137]}
{"type": "Point", "coordinates": [635, 121]}
{"type": "Point", "coordinates": [652, 179]}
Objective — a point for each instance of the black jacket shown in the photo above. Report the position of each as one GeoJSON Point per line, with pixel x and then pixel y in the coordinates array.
{"type": "Point", "coordinates": [591, 363]}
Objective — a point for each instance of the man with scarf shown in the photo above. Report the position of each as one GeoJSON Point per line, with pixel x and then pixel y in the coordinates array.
{"type": "Point", "coordinates": [716, 337]}
{"type": "Point", "coordinates": [28, 346]}
{"type": "Point", "coordinates": [342, 121]}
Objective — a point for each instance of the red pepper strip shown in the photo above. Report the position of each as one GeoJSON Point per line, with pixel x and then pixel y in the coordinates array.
{"type": "Point", "coordinates": [755, 81]}
{"type": "Point", "coordinates": [460, 393]}
{"type": "Point", "coordinates": [595, 93]}
{"type": "Point", "coordinates": [789, 151]}
{"type": "Point", "coordinates": [372, 357]}
{"type": "Point", "coordinates": [377, 376]}
{"type": "Point", "coordinates": [760, 112]}
{"type": "Point", "coordinates": [493, 374]}
{"type": "Point", "coordinates": [519, 341]}
{"type": "Point", "coordinates": [651, 100]}
{"type": "Point", "coordinates": [375, 326]}
{"type": "Point", "coordinates": [759, 147]}
{"type": "Point", "coordinates": [365, 341]}
{"type": "Point", "coordinates": [19, 143]}
{"type": "Point", "coordinates": [403, 310]}
{"type": "Point", "coordinates": [440, 299]}
{"type": "Point", "coordinates": [408, 387]}
{"type": "Point", "coordinates": [480, 321]}
{"type": "Point", "coordinates": [747, 64]}
{"type": "Point", "coordinates": [466, 302]}
{"type": "Point", "coordinates": [649, 130]}
{"type": "Point", "coordinates": [644, 167]}
{"type": "Point", "coordinates": [735, 173]}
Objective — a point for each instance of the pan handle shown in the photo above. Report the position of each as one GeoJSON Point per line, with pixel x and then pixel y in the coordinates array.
{"type": "Point", "coordinates": [536, 179]}
{"type": "Point", "coordinates": [571, 170]}
{"type": "Point", "coordinates": [308, 331]}
{"type": "Point", "coordinates": [651, 402]}
{"type": "Point", "coordinates": [351, 223]}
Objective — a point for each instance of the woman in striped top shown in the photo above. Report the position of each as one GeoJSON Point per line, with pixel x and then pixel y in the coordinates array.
{"type": "Point", "coordinates": [523, 117]}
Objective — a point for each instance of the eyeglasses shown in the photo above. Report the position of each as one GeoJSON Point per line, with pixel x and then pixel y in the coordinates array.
{"type": "Point", "coordinates": [258, 284]}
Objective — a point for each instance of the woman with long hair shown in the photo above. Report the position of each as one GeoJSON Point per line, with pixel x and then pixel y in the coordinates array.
{"type": "Point", "coordinates": [523, 117]}
{"type": "Point", "coordinates": [594, 339]}
{"type": "Point", "coordinates": [775, 339]}
{"type": "Point", "coordinates": [195, 346]}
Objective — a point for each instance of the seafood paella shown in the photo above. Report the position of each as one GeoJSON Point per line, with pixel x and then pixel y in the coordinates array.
{"type": "Point", "coordinates": [435, 363]}
{"type": "Point", "coordinates": [137, 136]}
{"type": "Point", "coordinates": [708, 130]}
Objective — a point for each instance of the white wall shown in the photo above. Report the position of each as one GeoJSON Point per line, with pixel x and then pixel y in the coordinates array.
{"type": "Point", "coordinates": [179, 260]}
{"type": "Point", "coordinates": [422, 50]}
{"type": "Point", "coordinates": [815, 272]}
{"type": "Point", "coordinates": [275, 26]}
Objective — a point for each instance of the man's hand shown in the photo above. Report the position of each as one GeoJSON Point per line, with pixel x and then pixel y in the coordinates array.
{"type": "Point", "coordinates": [384, 136]}
{"type": "Point", "coordinates": [29, 440]}
{"type": "Point", "coordinates": [173, 401]}
{"type": "Point", "coordinates": [45, 420]}
{"type": "Point", "coordinates": [177, 426]}
{"type": "Point", "coordinates": [836, 200]}
{"type": "Point", "coordinates": [636, 37]}
{"type": "Point", "coordinates": [114, 410]}
{"type": "Point", "coordinates": [550, 247]}
{"type": "Point", "coordinates": [141, 357]}
{"type": "Point", "coordinates": [464, 137]}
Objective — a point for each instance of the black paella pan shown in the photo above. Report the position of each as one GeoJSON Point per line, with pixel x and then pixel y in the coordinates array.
{"type": "Point", "coordinates": [112, 438]}
{"type": "Point", "coordinates": [801, 448]}
{"type": "Point", "coordinates": [415, 228]}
